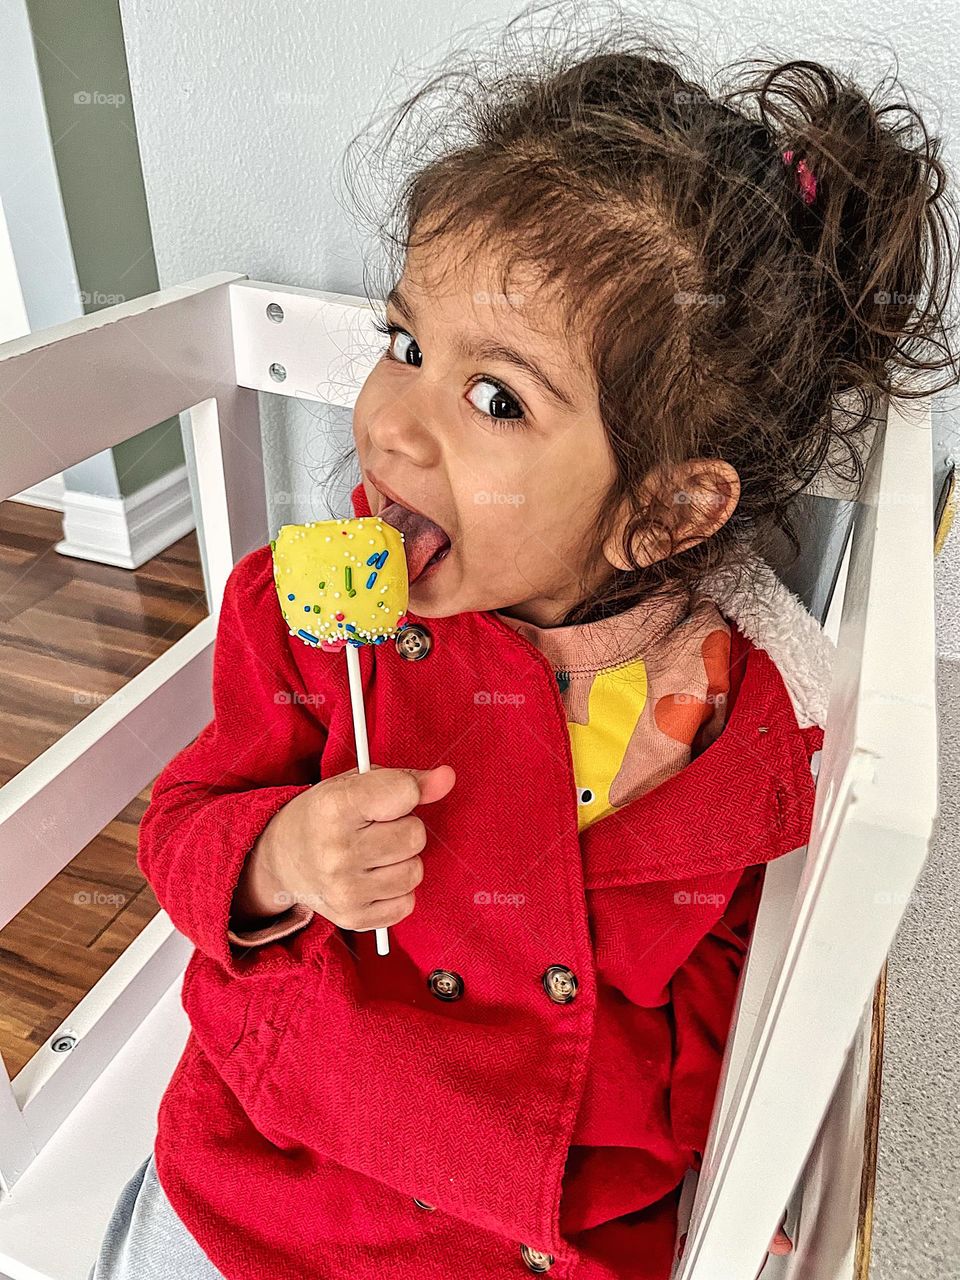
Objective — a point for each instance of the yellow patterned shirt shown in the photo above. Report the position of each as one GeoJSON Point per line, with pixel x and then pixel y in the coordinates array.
{"type": "Point", "coordinates": [644, 692]}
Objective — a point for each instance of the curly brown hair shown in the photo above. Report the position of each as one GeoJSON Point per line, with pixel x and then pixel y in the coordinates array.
{"type": "Point", "coordinates": [726, 314]}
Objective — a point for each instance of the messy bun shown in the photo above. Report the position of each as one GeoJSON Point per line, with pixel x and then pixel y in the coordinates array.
{"type": "Point", "coordinates": [875, 228]}
{"type": "Point", "coordinates": [733, 304]}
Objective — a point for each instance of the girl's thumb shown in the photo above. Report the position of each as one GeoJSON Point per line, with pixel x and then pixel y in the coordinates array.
{"type": "Point", "coordinates": [434, 783]}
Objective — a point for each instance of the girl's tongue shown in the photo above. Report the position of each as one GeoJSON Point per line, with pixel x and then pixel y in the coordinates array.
{"type": "Point", "coordinates": [422, 538]}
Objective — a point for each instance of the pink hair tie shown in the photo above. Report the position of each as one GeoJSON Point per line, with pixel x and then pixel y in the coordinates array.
{"type": "Point", "coordinates": [805, 178]}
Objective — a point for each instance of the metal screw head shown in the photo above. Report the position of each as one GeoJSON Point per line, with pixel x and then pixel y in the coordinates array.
{"type": "Point", "coordinates": [63, 1044]}
{"type": "Point", "coordinates": [277, 372]}
{"type": "Point", "coordinates": [275, 312]}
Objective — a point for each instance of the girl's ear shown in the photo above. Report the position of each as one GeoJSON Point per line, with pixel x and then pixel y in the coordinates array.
{"type": "Point", "coordinates": [693, 500]}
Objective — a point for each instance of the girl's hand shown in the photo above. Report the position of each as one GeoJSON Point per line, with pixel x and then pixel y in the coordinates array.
{"type": "Point", "coordinates": [348, 848]}
{"type": "Point", "coordinates": [781, 1243]}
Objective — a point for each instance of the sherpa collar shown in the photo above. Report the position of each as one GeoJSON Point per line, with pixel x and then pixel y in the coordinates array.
{"type": "Point", "coordinates": [777, 621]}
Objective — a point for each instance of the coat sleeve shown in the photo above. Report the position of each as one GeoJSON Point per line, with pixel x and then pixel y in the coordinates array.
{"type": "Point", "coordinates": [212, 800]}
{"type": "Point", "coordinates": [703, 993]}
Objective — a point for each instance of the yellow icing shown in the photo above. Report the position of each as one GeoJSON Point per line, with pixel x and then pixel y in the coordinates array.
{"type": "Point", "coordinates": [336, 553]}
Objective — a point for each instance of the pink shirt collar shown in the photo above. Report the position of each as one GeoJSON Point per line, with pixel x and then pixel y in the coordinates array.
{"type": "Point", "coordinates": [586, 647]}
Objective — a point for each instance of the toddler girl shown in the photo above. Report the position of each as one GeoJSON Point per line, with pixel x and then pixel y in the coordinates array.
{"type": "Point", "coordinates": [631, 323]}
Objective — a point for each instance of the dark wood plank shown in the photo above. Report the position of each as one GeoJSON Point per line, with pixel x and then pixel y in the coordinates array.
{"type": "Point", "coordinates": [72, 632]}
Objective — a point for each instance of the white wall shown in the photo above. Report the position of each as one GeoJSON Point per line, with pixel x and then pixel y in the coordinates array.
{"type": "Point", "coordinates": [13, 308]}
{"type": "Point", "coordinates": [36, 225]}
{"type": "Point", "coordinates": [38, 279]}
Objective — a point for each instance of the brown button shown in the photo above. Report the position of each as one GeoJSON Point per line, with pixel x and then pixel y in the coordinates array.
{"type": "Point", "coordinates": [422, 1204]}
{"type": "Point", "coordinates": [535, 1259]}
{"type": "Point", "coordinates": [559, 983]}
{"type": "Point", "coordinates": [414, 642]}
{"type": "Point", "coordinates": [445, 984]}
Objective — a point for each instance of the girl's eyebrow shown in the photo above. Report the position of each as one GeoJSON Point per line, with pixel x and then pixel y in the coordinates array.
{"type": "Point", "coordinates": [484, 349]}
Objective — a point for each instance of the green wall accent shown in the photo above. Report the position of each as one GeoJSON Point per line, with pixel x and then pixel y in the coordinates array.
{"type": "Point", "coordinates": [83, 71]}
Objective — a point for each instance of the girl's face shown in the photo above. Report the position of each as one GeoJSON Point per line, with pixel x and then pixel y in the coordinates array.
{"type": "Point", "coordinates": [490, 426]}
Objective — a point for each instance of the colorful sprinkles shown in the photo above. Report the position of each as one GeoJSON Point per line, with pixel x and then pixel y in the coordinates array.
{"type": "Point", "coordinates": [337, 631]}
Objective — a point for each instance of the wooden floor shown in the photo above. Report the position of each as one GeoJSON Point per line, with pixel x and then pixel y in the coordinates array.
{"type": "Point", "coordinates": [71, 633]}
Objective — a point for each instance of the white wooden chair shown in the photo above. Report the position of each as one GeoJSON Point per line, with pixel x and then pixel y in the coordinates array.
{"type": "Point", "coordinates": [790, 1119]}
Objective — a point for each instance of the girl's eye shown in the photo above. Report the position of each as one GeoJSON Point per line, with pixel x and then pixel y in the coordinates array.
{"type": "Point", "coordinates": [391, 330]}
{"type": "Point", "coordinates": [502, 407]}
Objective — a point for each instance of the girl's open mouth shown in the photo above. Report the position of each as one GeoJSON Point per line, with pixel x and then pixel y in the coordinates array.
{"type": "Point", "coordinates": [425, 544]}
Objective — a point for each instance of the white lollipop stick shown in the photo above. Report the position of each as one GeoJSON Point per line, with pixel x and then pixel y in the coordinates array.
{"type": "Point", "coordinates": [363, 751]}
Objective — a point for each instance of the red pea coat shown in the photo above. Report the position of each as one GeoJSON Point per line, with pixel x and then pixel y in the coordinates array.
{"type": "Point", "coordinates": [325, 1090]}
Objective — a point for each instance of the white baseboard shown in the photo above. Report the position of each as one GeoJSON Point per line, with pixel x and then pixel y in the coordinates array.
{"type": "Point", "coordinates": [127, 531]}
{"type": "Point", "coordinates": [48, 493]}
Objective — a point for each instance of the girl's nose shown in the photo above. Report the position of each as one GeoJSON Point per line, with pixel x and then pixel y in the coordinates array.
{"type": "Point", "coordinates": [401, 426]}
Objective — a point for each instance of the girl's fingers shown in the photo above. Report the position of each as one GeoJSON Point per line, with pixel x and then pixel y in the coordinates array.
{"type": "Point", "coordinates": [781, 1242]}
